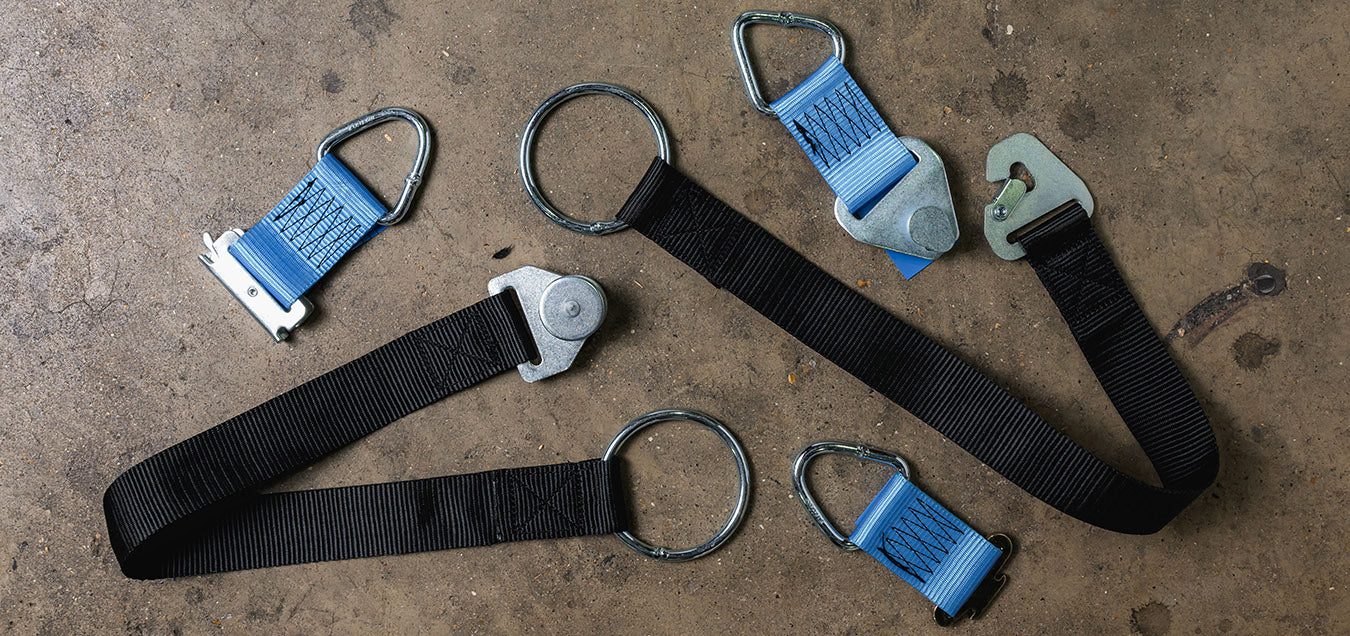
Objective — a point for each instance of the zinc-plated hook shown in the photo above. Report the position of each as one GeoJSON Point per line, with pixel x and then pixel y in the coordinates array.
{"type": "Point", "coordinates": [414, 178]}
{"type": "Point", "coordinates": [781, 18]}
{"type": "Point", "coordinates": [1016, 207]}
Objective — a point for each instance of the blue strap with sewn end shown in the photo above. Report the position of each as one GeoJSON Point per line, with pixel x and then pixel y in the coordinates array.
{"type": "Point", "coordinates": [323, 217]}
{"type": "Point", "coordinates": [924, 544]}
{"type": "Point", "coordinates": [848, 142]}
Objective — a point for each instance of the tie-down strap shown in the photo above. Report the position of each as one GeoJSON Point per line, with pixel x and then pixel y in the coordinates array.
{"type": "Point", "coordinates": [195, 507]}
{"type": "Point", "coordinates": [939, 388]}
{"type": "Point", "coordinates": [925, 544]}
{"type": "Point", "coordinates": [329, 213]}
{"type": "Point", "coordinates": [844, 136]}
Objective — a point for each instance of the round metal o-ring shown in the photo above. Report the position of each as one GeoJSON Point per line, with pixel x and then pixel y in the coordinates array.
{"type": "Point", "coordinates": [526, 157]}
{"type": "Point", "coordinates": [743, 474]}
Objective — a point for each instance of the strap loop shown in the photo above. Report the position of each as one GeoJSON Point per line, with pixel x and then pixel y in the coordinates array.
{"type": "Point", "coordinates": [781, 18]}
{"type": "Point", "coordinates": [947, 393]}
{"type": "Point", "coordinates": [742, 474]}
{"type": "Point", "coordinates": [526, 157]}
{"type": "Point", "coordinates": [370, 120]}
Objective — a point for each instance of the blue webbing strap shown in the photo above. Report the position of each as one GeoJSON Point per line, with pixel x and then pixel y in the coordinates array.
{"type": "Point", "coordinates": [846, 139]}
{"type": "Point", "coordinates": [323, 217]}
{"type": "Point", "coordinates": [923, 543]}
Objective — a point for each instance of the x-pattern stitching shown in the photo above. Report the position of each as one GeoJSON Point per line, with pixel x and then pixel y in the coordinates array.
{"type": "Point", "coordinates": [458, 348]}
{"type": "Point", "coordinates": [542, 502]}
{"type": "Point", "coordinates": [1072, 269]}
{"type": "Point", "coordinates": [681, 200]}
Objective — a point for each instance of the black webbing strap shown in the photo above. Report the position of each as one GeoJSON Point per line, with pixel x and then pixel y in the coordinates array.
{"type": "Point", "coordinates": [1130, 361]}
{"type": "Point", "coordinates": [195, 508]}
{"type": "Point", "coordinates": [937, 387]}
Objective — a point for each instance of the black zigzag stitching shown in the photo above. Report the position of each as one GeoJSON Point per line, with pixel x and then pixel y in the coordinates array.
{"type": "Point", "coordinates": [838, 124]}
{"type": "Point", "coordinates": [315, 224]}
{"type": "Point", "coordinates": [920, 541]}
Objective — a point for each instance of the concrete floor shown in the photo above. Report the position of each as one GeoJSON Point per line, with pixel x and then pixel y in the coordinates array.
{"type": "Point", "coordinates": [1213, 137]}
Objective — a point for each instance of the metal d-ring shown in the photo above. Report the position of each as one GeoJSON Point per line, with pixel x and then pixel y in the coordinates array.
{"type": "Point", "coordinates": [532, 129]}
{"type": "Point", "coordinates": [414, 178]}
{"type": "Point", "coordinates": [742, 470]}
{"type": "Point", "coordinates": [781, 18]}
{"type": "Point", "coordinates": [804, 494]}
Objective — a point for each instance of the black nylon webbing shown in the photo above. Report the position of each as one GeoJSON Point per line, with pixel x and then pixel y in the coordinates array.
{"type": "Point", "coordinates": [194, 508]}
{"type": "Point", "coordinates": [942, 390]}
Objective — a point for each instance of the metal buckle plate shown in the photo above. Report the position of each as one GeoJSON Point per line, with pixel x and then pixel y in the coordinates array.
{"type": "Point", "coordinates": [562, 311]}
{"type": "Point", "coordinates": [1015, 207]}
{"type": "Point", "coordinates": [915, 216]}
{"type": "Point", "coordinates": [987, 589]}
{"type": "Point", "coordinates": [278, 321]}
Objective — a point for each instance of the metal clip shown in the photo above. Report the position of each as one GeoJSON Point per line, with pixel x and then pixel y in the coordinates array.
{"type": "Point", "coordinates": [780, 18]}
{"type": "Point", "coordinates": [562, 311]}
{"type": "Point", "coordinates": [915, 216]}
{"type": "Point", "coordinates": [987, 589]}
{"type": "Point", "coordinates": [1015, 207]}
{"type": "Point", "coordinates": [804, 494]}
{"type": "Point", "coordinates": [278, 321]}
{"type": "Point", "coordinates": [414, 178]}
{"type": "Point", "coordinates": [984, 593]}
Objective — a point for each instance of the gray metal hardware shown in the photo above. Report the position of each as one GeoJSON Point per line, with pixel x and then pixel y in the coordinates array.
{"type": "Point", "coordinates": [1015, 207]}
{"type": "Point", "coordinates": [915, 216]}
{"type": "Point", "coordinates": [278, 321]}
{"type": "Point", "coordinates": [780, 18]}
{"type": "Point", "coordinates": [562, 311]}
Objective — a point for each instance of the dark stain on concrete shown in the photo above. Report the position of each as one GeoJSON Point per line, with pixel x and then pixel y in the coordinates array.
{"type": "Point", "coordinates": [463, 75]}
{"type": "Point", "coordinates": [1009, 92]}
{"type": "Point", "coordinates": [332, 84]}
{"type": "Point", "coordinates": [1266, 279]}
{"type": "Point", "coordinates": [1263, 280]}
{"type": "Point", "coordinates": [1153, 619]}
{"type": "Point", "coordinates": [988, 35]}
{"type": "Point", "coordinates": [371, 17]}
{"type": "Point", "coordinates": [990, 30]}
{"type": "Point", "coordinates": [212, 90]}
{"type": "Point", "coordinates": [1251, 349]}
{"type": "Point", "coordinates": [1078, 120]}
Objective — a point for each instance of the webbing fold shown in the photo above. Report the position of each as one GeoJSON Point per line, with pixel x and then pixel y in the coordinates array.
{"type": "Point", "coordinates": [939, 388]}
{"type": "Point", "coordinates": [844, 136]}
{"type": "Point", "coordinates": [194, 508]}
{"type": "Point", "coordinates": [848, 142]}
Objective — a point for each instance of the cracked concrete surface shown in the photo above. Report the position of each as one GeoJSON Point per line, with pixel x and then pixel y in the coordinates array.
{"type": "Point", "coordinates": [1213, 138]}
